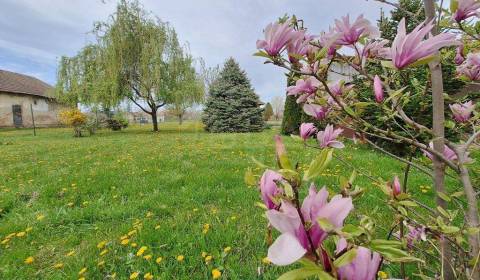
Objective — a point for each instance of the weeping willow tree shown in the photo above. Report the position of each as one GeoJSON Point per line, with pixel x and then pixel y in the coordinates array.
{"type": "Point", "coordinates": [189, 86]}
{"type": "Point", "coordinates": [136, 57]}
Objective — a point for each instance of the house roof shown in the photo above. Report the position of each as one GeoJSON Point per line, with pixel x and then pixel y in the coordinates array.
{"type": "Point", "coordinates": [19, 83]}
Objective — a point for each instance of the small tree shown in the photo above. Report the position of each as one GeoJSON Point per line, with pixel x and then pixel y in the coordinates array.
{"type": "Point", "coordinates": [232, 105]}
{"type": "Point", "coordinates": [267, 112]}
{"type": "Point", "coordinates": [277, 104]}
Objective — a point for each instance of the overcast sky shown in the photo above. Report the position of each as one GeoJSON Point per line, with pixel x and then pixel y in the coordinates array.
{"type": "Point", "coordinates": [35, 33]}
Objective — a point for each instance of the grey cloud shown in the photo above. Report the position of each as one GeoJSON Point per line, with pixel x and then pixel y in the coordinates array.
{"type": "Point", "coordinates": [35, 33]}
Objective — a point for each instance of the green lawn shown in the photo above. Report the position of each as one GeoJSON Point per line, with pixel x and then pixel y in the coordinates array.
{"type": "Point", "coordinates": [61, 198]}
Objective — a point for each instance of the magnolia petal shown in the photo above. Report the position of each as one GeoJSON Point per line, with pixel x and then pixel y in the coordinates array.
{"type": "Point", "coordinates": [285, 250]}
{"type": "Point", "coordinates": [336, 144]}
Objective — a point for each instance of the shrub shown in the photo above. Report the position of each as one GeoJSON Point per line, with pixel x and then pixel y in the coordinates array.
{"type": "Point", "coordinates": [73, 118]}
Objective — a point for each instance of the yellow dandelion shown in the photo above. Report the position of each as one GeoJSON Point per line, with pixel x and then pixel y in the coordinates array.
{"type": "Point", "coordinates": [148, 276]}
{"type": "Point", "coordinates": [29, 260]}
{"type": "Point", "coordinates": [123, 237]}
{"type": "Point", "coordinates": [134, 275]}
{"type": "Point", "coordinates": [5, 241]}
{"type": "Point", "coordinates": [147, 257]}
{"type": "Point", "coordinates": [21, 234]}
{"type": "Point", "coordinates": [101, 244]}
{"type": "Point", "coordinates": [159, 260]}
{"type": "Point", "coordinates": [40, 217]}
{"type": "Point", "coordinates": [133, 244]}
{"type": "Point", "coordinates": [113, 275]}
{"type": "Point", "coordinates": [180, 258]}
{"type": "Point", "coordinates": [266, 260]}
{"type": "Point", "coordinates": [206, 228]}
{"type": "Point", "coordinates": [382, 274]}
{"type": "Point", "coordinates": [101, 263]}
{"type": "Point", "coordinates": [141, 251]}
{"type": "Point", "coordinates": [208, 259]}
{"type": "Point", "coordinates": [71, 253]}
{"type": "Point", "coordinates": [216, 273]}
{"type": "Point", "coordinates": [104, 252]}
{"type": "Point", "coordinates": [149, 214]}
{"type": "Point", "coordinates": [29, 229]}
{"type": "Point", "coordinates": [125, 242]}
{"type": "Point", "coordinates": [70, 204]}
{"type": "Point", "coordinates": [82, 271]}
{"type": "Point", "coordinates": [204, 254]}
{"type": "Point", "coordinates": [227, 249]}
{"type": "Point", "coordinates": [81, 278]}
{"type": "Point", "coordinates": [157, 227]}
{"type": "Point", "coordinates": [58, 265]}
{"type": "Point", "coordinates": [132, 232]}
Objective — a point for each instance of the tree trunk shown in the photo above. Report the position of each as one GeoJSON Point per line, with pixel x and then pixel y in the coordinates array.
{"type": "Point", "coordinates": [154, 120]}
{"type": "Point", "coordinates": [438, 141]}
{"type": "Point", "coordinates": [180, 119]}
{"type": "Point", "coordinates": [472, 213]}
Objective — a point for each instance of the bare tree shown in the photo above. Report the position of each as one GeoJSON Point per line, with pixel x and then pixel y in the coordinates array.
{"type": "Point", "coordinates": [277, 104]}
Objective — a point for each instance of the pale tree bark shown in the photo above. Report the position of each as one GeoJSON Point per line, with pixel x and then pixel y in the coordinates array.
{"type": "Point", "coordinates": [438, 129]}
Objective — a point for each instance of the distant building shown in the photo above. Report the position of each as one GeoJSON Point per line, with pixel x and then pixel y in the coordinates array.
{"type": "Point", "coordinates": [18, 92]}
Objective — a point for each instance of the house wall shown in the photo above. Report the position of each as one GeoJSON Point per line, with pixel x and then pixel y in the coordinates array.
{"type": "Point", "coordinates": [45, 111]}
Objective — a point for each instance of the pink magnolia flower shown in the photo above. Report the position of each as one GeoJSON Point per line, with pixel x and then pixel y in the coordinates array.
{"type": "Point", "coordinates": [299, 45]}
{"type": "Point", "coordinates": [277, 36]}
{"type": "Point", "coordinates": [269, 189]}
{"type": "Point", "coordinates": [378, 89]}
{"type": "Point", "coordinates": [396, 187]}
{"type": "Point", "coordinates": [363, 267]}
{"type": "Point", "coordinates": [462, 112]}
{"type": "Point", "coordinates": [310, 68]}
{"type": "Point", "coordinates": [339, 87]}
{"type": "Point", "coordinates": [375, 49]}
{"type": "Point", "coordinates": [307, 130]}
{"type": "Point", "coordinates": [352, 32]}
{"type": "Point", "coordinates": [466, 9]}
{"type": "Point", "coordinates": [308, 86]}
{"type": "Point", "coordinates": [293, 242]}
{"type": "Point", "coordinates": [327, 137]}
{"type": "Point", "coordinates": [447, 153]}
{"type": "Point", "coordinates": [408, 48]}
{"type": "Point", "coordinates": [415, 234]}
{"type": "Point", "coordinates": [471, 67]}
{"type": "Point", "coordinates": [459, 56]}
{"type": "Point", "coordinates": [318, 112]}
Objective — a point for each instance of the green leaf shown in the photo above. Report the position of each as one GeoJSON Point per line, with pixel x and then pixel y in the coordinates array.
{"type": "Point", "coordinates": [423, 61]}
{"type": "Point", "coordinates": [353, 230]}
{"type": "Point", "coordinates": [450, 229]}
{"type": "Point", "coordinates": [318, 164]}
{"type": "Point", "coordinates": [306, 272]}
{"type": "Point", "coordinates": [262, 54]}
{"type": "Point", "coordinates": [473, 230]}
{"type": "Point", "coordinates": [408, 203]}
{"type": "Point", "coordinates": [296, 137]}
{"type": "Point", "coordinates": [393, 253]}
{"type": "Point", "coordinates": [284, 162]}
{"type": "Point", "coordinates": [325, 224]}
{"type": "Point", "coordinates": [387, 64]}
{"type": "Point", "coordinates": [443, 212]}
{"type": "Point", "coordinates": [444, 196]}
{"type": "Point", "coordinates": [385, 242]}
{"type": "Point", "coordinates": [343, 182]}
{"type": "Point", "coordinates": [352, 177]}
{"type": "Point", "coordinates": [346, 258]}
{"type": "Point", "coordinates": [259, 164]}
{"type": "Point", "coordinates": [349, 110]}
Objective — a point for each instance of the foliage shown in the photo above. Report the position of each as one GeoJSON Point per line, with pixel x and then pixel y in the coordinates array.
{"type": "Point", "coordinates": [419, 106]}
{"type": "Point", "coordinates": [136, 56]}
{"type": "Point", "coordinates": [267, 112]}
{"type": "Point", "coordinates": [292, 114]}
{"type": "Point", "coordinates": [402, 92]}
{"type": "Point", "coordinates": [232, 105]}
{"type": "Point", "coordinates": [73, 118]}
{"type": "Point", "coordinates": [117, 122]}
